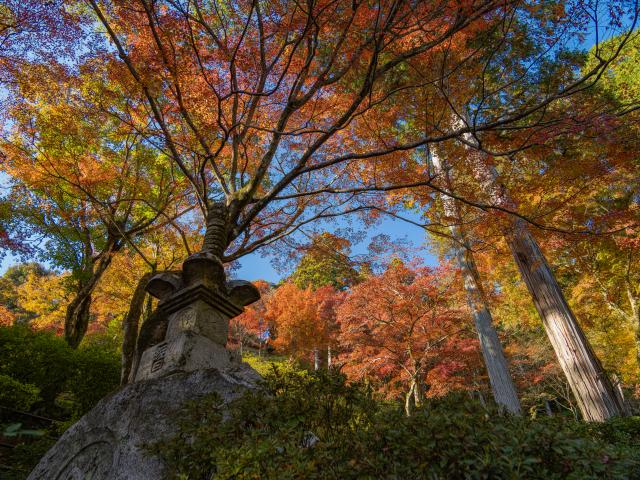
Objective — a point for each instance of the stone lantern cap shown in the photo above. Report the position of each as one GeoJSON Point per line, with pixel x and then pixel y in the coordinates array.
{"type": "Point", "coordinates": [200, 292]}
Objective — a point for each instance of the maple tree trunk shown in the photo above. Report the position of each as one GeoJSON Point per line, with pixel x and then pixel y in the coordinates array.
{"type": "Point", "coordinates": [216, 233]}
{"type": "Point", "coordinates": [408, 401]}
{"type": "Point", "coordinates": [594, 392]}
{"type": "Point", "coordinates": [418, 394]}
{"type": "Point", "coordinates": [502, 387]}
{"type": "Point", "coordinates": [130, 326]}
{"type": "Point", "coordinates": [76, 319]}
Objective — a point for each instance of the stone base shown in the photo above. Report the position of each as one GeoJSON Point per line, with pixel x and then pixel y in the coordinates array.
{"type": "Point", "coordinates": [108, 442]}
{"type": "Point", "coordinates": [187, 351]}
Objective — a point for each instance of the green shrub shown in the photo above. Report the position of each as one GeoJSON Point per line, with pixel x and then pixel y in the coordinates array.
{"type": "Point", "coordinates": [40, 374]}
{"type": "Point", "coordinates": [314, 426]}
{"type": "Point", "coordinates": [17, 395]}
{"type": "Point", "coordinates": [24, 457]}
{"type": "Point", "coordinates": [36, 358]}
{"type": "Point", "coordinates": [264, 364]}
{"type": "Point", "coordinates": [620, 430]}
{"type": "Point", "coordinates": [95, 373]}
{"type": "Point", "coordinates": [43, 360]}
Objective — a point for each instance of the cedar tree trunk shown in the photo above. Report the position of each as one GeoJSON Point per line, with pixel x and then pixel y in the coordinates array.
{"type": "Point", "coordinates": [502, 387]}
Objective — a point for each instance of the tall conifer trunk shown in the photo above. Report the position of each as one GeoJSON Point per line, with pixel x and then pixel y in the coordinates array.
{"type": "Point", "coordinates": [589, 383]}
{"type": "Point", "coordinates": [502, 387]}
{"type": "Point", "coordinates": [635, 313]}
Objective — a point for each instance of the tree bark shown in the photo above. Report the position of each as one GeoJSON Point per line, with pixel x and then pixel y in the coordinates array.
{"type": "Point", "coordinates": [77, 315]}
{"type": "Point", "coordinates": [130, 326]}
{"type": "Point", "coordinates": [408, 400]}
{"type": "Point", "coordinates": [418, 393]}
{"type": "Point", "coordinates": [329, 359]}
{"type": "Point", "coordinates": [617, 384]}
{"type": "Point", "coordinates": [316, 359]}
{"type": "Point", "coordinates": [590, 384]}
{"type": "Point", "coordinates": [502, 387]}
{"type": "Point", "coordinates": [217, 232]}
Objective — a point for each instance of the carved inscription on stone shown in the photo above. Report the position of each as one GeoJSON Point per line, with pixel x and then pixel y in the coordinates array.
{"type": "Point", "coordinates": [94, 461]}
{"type": "Point", "coordinates": [188, 319]}
{"type": "Point", "coordinates": [158, 357]}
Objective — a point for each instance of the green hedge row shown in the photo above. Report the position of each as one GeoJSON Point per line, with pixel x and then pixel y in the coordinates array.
{"type": "Point", "coordinates": [318, 427]}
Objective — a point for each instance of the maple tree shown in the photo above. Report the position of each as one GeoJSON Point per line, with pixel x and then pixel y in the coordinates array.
{"type": "Point", "coordinates": [11, 238]}
{"type": "Point", "coordinates": [257, 99]}
{"type": "Point", "coordinates": [399, 326]}
{"type": "Point", "coordinates": [255, 104]}
{"type": "Point", "coordinates": [85, 180]}
{"type": "Point", "coordinates": [302, 321]}
{"type": "Point", "coordinates": [251, 109]}
{"type": "Point", "coordinates": [258, 118]}
{"type": "Point", "coordinates": [251, 326]}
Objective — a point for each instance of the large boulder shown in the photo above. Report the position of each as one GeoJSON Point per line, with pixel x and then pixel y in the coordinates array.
{"type": "Point", "coordinates": [108, 442]}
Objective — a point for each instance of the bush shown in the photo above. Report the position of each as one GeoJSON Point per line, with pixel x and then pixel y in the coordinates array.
{"type": "Point", "coordinates": [95, 373]}
{"type": "Point", "coordinates": [40, 374]}
{"type": "Point", "coordinates": [317, 427]}
{"type": "Point", "coordinates": [36, 358]}
{"type": "Point", "coordinates": [24, 457]}
{"type": "Point", "coordinates": [45, 362]}
{"type": "Point", "coordinates": [17, 395]}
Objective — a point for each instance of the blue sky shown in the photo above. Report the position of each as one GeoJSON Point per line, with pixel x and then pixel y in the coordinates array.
{"type": "Point", "coordinates": [256, 266]}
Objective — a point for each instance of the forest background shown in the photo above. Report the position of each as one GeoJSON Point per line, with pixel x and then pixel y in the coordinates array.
{"type": "Point", "coordinates": [99, 192]}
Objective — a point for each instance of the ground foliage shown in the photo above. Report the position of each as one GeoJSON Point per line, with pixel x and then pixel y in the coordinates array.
{"type": "Point", "coordinates": [303, 425]}
{"type": "Point", "coordinates": [45, 387]}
